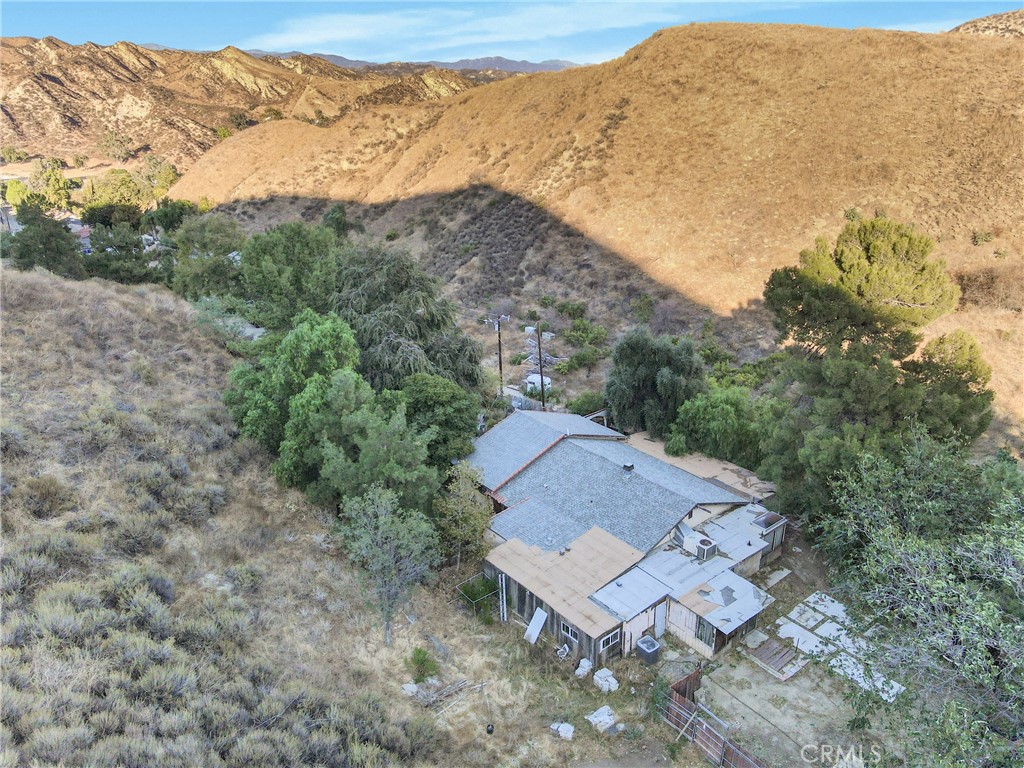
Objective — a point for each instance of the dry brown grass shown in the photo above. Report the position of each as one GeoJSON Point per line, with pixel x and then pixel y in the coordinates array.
{"type": "Point", "coordinates": [111, 392]}
{"type": "Point", "coordinates": [706, 157]}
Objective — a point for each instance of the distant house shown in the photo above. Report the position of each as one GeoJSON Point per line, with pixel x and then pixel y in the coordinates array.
{"type": "Point", "coordinates": [604, 543]}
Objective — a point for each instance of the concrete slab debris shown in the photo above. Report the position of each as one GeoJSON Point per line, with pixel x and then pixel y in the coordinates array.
{"type": "Point", "coordinates": [806, 616]}
{"type": "Point", "coordinates": [822, 603]}
{"type": "Point", "coordinates": [563, 730]}
{"type": "Point", "coordinates": [584, 668]}
{"type": "Point", "coordinates": [603, 718]}
{"type": "Point", "coordinates": [775, 577]}
{"type": "Point", "coordinates": [605, 680]}
{"type": "Point", "coordinates": [848, 666]}
{"type": "Point", "coordinates": [754, 638]}
{"type": "Point", "coordinates": [410, 689]}
{"type": "Point", "coordinates": [804, 640]}
{"type": "Point", "coordinates": [838, 635]}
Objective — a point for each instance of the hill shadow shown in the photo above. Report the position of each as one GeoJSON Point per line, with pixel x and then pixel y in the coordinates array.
{"type": "Point", "coordinates": [497, 252]}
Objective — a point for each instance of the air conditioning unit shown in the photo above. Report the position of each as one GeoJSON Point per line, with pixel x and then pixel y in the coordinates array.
{"type": "Point", "coordinates": [706, 549]}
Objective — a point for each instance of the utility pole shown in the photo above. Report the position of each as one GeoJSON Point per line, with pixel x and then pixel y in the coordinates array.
{"type": "Point", "coordinates": [501, 364]}
{"type": "Point", "coordinates": [540, 360]}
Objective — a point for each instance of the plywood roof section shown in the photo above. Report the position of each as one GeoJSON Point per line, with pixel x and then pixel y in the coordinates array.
{"type": "Point", "coordinates": [565, 581]}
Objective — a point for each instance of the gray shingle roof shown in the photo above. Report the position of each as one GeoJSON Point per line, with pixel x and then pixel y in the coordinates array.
{"type": "Point", "coordinates": [514, 442]}
{"type": "Point", "coordinates": [580, 483]}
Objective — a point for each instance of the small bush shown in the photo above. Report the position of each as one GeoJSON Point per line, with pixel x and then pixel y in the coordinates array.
{"type": "Point", "coordinates": [852, 214]}
{"type": "Point", "coordinates": [586, 402]}
{"type": "Point", "coordinates": [421, 665]}
{"type": "Point", "coordinates": [392, 234]}
{"type": "Point", "coordinates": [572, 310]}
{"type": "Point", "coordinates": [46, 496]}
{"type": "Point", "coordinates": [980, 237]}
{"type": "Point", "coordinates": [139, 535]}
{"type": "Point", "coordinates": [518, 358]}
{"type": "Point", "coordinates": [246, 579]}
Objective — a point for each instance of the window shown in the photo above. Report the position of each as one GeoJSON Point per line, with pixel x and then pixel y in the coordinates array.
{"type": "Point", "coordinates": [609, 640]}
{"type": "Point", "coordinates": [705, 632]}
{"type": "Point", "coordinates": [571, 633]}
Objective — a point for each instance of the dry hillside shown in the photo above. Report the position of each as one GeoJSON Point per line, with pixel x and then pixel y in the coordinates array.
{"type": "Point", "coordinates": [707, 156]}
{"type": "Point", "coordinates": [59, 98]}
{"type": "Point", "coordinates": [1009, 24]}
{"type": "Point", "coordinates": [165, 603]}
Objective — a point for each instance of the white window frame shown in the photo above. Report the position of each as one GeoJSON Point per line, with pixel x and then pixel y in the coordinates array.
{"type": "Point", "coordinates": [609, 640]}
{"type": "Point", "coordinates": [570, 632]}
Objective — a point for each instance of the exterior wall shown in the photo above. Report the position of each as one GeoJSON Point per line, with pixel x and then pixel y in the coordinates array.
{"type": "Point", "coordinates": [682, 623]}
{"type": "Point", "coordinates": [748, 566]}
{"type": "Point", "coordinates": [767, 557]}
{"type": "Point", "coordinates": [523, 603]}
{"type": "Point", "coordinates": [633, 629]}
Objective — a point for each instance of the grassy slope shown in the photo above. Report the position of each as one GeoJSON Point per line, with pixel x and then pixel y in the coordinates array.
{"type": "Point", "coordinates": [707, 156]}
{"type": "Point", "coordinates": [227, 612]}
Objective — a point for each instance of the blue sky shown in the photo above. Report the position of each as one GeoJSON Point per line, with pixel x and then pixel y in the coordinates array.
{"type": "Point", "coordinates": [584, 32]}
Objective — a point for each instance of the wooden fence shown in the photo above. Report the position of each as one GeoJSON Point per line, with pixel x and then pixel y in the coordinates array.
{"type": "Point", "coordinates": [699, 725]}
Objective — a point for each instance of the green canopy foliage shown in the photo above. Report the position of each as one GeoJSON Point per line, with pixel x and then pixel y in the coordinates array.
{"type": "Point", "coordinates": [854, 383]}
{"type": "Point", "coordinates": [462, 514]}
{"type": "Point", "coordinates": [46, 243]}
{"type": "Point", "coordinates": [434, 401]}
{"type": "Point", "coordinates": [112, 214]}
{"type": "Point", "coordinates": [932, 547]}
{"type": "Point", "coordinates": [258, 396]}
{"type": "Point", "coordinates": [340, 440]}
{"type": "Point", "coordinates": [397, 547]}
{"type": "Point", "coordinates": [337, 220]}
{"type": "Point", "coordinates": [402, 323]}
{"type": "Point", "coordinates": [877, 280]}
{"type": "Point", "coordinates": [723, 422]}
{"type": "Point", "coordinates": [169, 214]}
{"type": "Point", "coordinates": [205, 265]}
{"type": "Point", "coordinates": [651, 378]}
{"type": "Point", "coordinates": [288, 269]}
{"type": "Point", "coordinates": [17, 193]}
{"type": "Point", "coordinates": [48, 181]}
{"type": "Point", "coordinates": [118, 254]}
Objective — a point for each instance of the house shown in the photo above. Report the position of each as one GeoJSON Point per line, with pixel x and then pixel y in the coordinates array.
{"type": "Point", "coordinates": [598, 543]}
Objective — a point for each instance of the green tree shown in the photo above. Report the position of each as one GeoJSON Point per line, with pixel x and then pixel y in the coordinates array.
{"type": "Point", "coordinates": [112, 214]}
{"type": "Point", "coordinates": [17, 194]}
{"type": "Point", "coordinates": [119, 255]}
{"type": "Point", "coordinates": [239, 121]}
{"type": "Point", "coordinates": [434, 401]}
{"type": "Point", "coordinates": [155, 177]}
{"type": "Point", "coordinates": [340, 440]}
{"type": "Point", "coordinates": [208, 254]}
{"type": "Point", "coordinates": [48, 180]}
{"type": "Point", "coordinates": [258, 396]}
{"type": "Point", "coordinates": [117, 146]}
{"type": "Point", "coordinates": [117, 187]}
{"type": "Point", "coordinates": [586, 403]}
{"type": "Point", "coordinates": [722, 422]}
{"type": "Point", "coordinates": [931, 547]}
{"type": "Point", "coordinates": [11, 154]}
{"type": "Point", "coordinates": [876, 281]}
{"type": "Point", "coordinates": [290, 268]}
{"type": "Point", "coordinates": [462, 514]}
{"type": "Point", "coordinates": [957, 401]}
{"type": "Point", "coordinates": [396, 547]}
{"type": "Point", "coordinates": [651, 378]}
{"type": "Point", "coordinates": [168, 215]}
{"type": "Point", "coordinates": [46, 243]}
{"type": "Point", "coordinates": [337, 220]}
{"type": "Point", "coordinates": [403, 324]}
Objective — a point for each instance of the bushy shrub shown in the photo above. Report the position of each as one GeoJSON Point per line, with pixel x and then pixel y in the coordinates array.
{"type": "Point", "coordinates": [586, 403]}
{"type": "Point", "coordinates": [46, 496]}
{"type": "Point", "coordinates": [139, 534]}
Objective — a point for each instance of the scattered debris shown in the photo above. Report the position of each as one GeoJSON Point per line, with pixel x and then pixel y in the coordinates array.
{"type": "Point", "coordinates": [605, 680]}
{"type": "Point", "coordinates": [440, 648]}
{"type": "Point", "coordinates": [602, 719]}
{"type": "Point", "coordinates": [584, 668]}
{"type": "Point", "coordinates": [563, 730]}
{"type": "Point", "coordinates": [411, 689]}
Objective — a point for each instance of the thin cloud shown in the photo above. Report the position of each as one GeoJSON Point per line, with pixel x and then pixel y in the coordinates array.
{"type": "Point", "coordinates": [940, 25]}
{"type": "Point", "coordinates": [454, 27]}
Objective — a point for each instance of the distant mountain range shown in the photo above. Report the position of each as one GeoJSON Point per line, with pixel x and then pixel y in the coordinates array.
{"type": "Point", "coordinates": [486, 62]}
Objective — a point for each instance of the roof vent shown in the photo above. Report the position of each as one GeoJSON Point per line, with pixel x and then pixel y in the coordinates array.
{"type": "Point", "coordinates": [618, 583]}
{"type": "Point", "coordinates": [627, 468]}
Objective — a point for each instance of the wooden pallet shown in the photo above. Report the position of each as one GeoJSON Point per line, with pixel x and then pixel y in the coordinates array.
{"type": "Point", "coordinates": [774, 654]}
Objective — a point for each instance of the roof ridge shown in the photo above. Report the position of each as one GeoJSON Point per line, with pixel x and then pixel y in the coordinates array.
{"type": "Point", "coordinates": [528, 463]}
